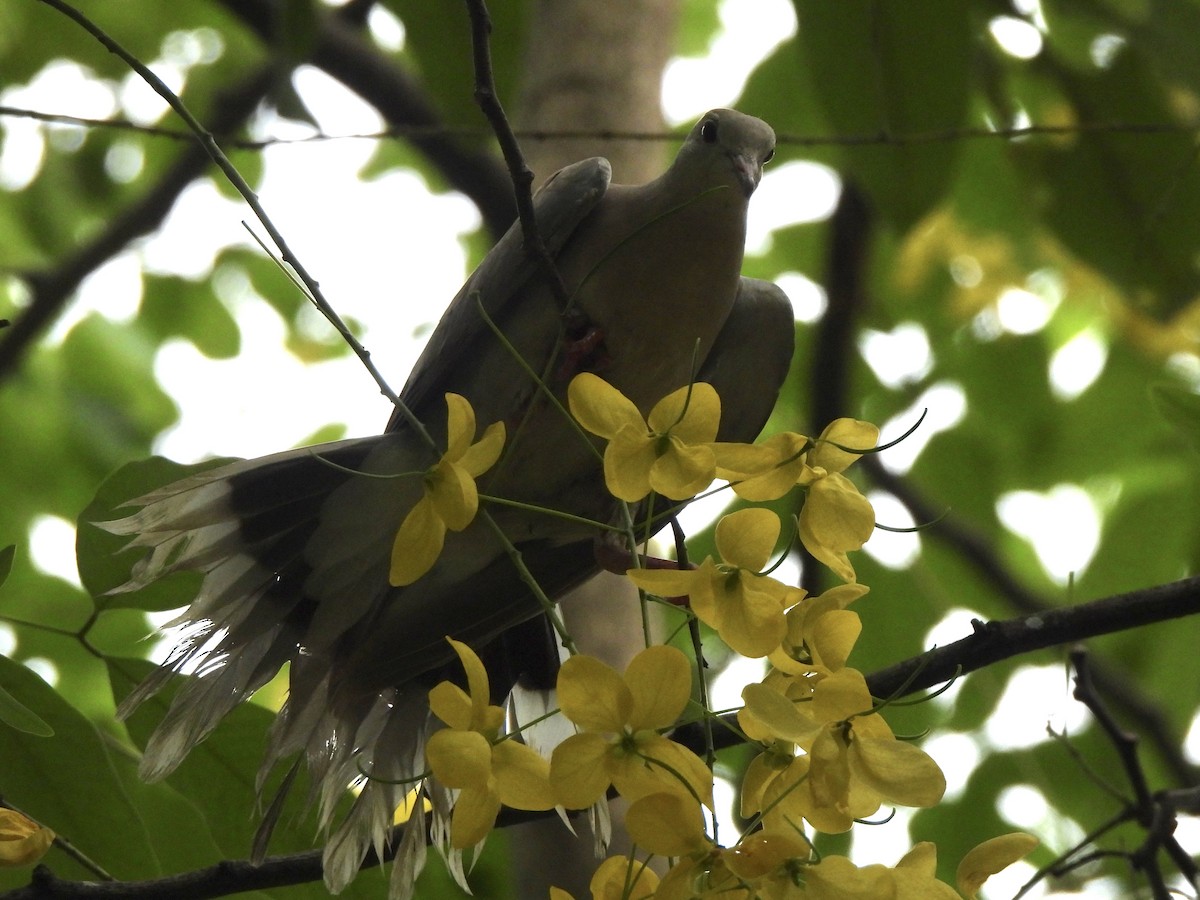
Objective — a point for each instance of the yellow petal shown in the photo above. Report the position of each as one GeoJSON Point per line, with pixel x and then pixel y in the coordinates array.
{"type": "Point", "coordinates": [660, 681]}
{"type": "Point", "coordinates": [578, 770]}
{"type": "Point", "coordinates": [761, 772]}
{"type": "Point", "coordinates": [628, 459]}
{"type": "Point", "coordinates": [22, 841]}
{"type": "Point", "coordinates": [788, 462]}
{"type": "Point", "coordinates": [418, 543]}
{"type": "Point", "coordinates": [453, 494]}
{"type": "Point", "coordinates": [835, 878]}
{"type": "Point", "coordinates": [667, 824]}
{"type": "Point", "coordinates": [459, 759]}
{"type": "Point", "coordinates": [838, 514]}
{"type": "Point", "coordinates": [849, 433]}
{"type": "Point", "coordinates": [832, 636]}
{"type": "Point", "coordinates": [737, 461]}
{"type": "Point", "coordinates": [922, 858]}
{"type": "Point", "coordinates": [592, 695]}
{"type": "Point", "coordinates": [777, 715]}
{"type": "Point", "coordinates": [475, 813]}
{"type": "Point", "coordinates": [667, 582]}
{"type": "Point", "coordinates": [451, 704]}
{"type": "Point", "coordinates": [600, 408]}
{"type": "Point", "coordinates": [841, 695]}
{"type": "Point", "coordinates": [683, 471]}
{"type": "Point", "coordinates": [621, 878]}
{"type": "Point", "coordinates": [746, 538]}
{"type": "Point", "coordinates": [837, 561]}
{"type": "Point", "coordinates": [664, 765]}
{"type": "Point", "coordinates": [899, 772]}
{"type": "Point", "coordinates": [990, 857]}
{"type": "Point", "coordinates": [692, 413]}
{"type": "Point", "coordinates": [751, 619]}
{"type": "Point", "coordinates": [762, 852]}
{"type": "Point", "coordinates": [522, 776]}
{"type": "Point", "coordinates": [482, 455]}
{"type": "Point", "coordinates": [477, 681]}
{"type": "Point", "coordinates": [712, 593]}
{"type": "Point", "coordinates": [460, 426]}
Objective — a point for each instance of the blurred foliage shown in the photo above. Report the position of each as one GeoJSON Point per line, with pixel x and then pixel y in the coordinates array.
{"type": "Point", "coordinates": [1099, 222]}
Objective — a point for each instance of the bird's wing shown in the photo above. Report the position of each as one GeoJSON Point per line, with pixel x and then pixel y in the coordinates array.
{"type": "Point", "coordinates": [750, 359]}
{"type": "Point", "coordinates": [560, 205]}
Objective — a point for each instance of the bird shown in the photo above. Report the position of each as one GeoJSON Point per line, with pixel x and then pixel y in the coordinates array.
{"type": "Point", "coordinates": [294, 547]}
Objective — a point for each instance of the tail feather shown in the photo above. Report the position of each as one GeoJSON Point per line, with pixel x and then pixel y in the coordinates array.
{"type": "Point", "coordinates": [202, 702]}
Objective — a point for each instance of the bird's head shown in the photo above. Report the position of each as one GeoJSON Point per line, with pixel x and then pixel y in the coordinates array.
{"type": "Point", "coordinates": [727, 147]}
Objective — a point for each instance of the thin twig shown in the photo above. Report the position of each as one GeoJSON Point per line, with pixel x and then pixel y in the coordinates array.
{"type": "Point", "coordinates": [443, 129]}
{"type": "Point", "coordinates": [518, 169]}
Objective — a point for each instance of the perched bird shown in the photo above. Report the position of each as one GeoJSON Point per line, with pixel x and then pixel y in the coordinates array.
{"type": "Point", "coordinates": [295, 547]}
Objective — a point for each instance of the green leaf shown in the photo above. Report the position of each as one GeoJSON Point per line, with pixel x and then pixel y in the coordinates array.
{"type": "Point", "coordinates": [17, 715]}
{"type": "Point", "coordinates": [103, 563]}
{"type": "Point", "coordinates": [72, 783]}
{"type": "Point", "coordinates": [219, 779]}
{"type": "Point", "coordinates": [6, 560]}
{"type": "Point", "coordinates": [182, 307]}
{"type": "Point", "coordinates": [878, 69]}
{"type": "Point", "coordinates": [1122, 203]}
{"type": "Point", "coordinates": [1180, 407]}
{"type": "Point", "coordinates": [699, 23]}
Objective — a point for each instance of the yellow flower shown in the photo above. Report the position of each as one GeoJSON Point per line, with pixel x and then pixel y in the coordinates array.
{"type": "Point", "coordinates": [853, 765]}
{"type": "Point", "coordinates": [836, 878]}
{"type": "Point", "coordinates": [745, 607]}
{"type": "Point", "coordinates": [989, 858]}
{"type": "Point", "coordinates": [913, 878]}
{"type": "Point", "coordinates": [766, 471]}
{"type": "Point", "coordinates": [758, 866]}
{"type": "Point", "coordinates": [669, 453]}
{"type": "Point", "coordinates": [835, 517]}
{"type": "Point", "coordinates": [451, 499]}
{"type": "Point", "coordinates": [916, 876]}
{"type": "Point", "coordinates": [618, 878]}
{"type": "Point", "coordinates": [22, 841]}
{"type": "Point", "coordinates": [467, 756]}
{"type": "Point", "coordinates": [673, 826]}
{"type": "Point", "coordinates": [619, 718]}
{"type": "Point", "coordinates": [821, 632]}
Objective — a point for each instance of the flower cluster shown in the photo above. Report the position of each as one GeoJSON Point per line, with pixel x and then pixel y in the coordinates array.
{"type": "Point", "coordinates": [776, 864]}
{"type": "Point", "coordinates": [826, 756]}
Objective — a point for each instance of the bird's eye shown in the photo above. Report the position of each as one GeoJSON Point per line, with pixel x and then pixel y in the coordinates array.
{"type": "Point", "coordinates": [708, 131]}
{"type": "Point", "coordinates": [770, 156]}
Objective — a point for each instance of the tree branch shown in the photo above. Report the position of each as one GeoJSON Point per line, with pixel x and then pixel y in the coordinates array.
{"type": "Point", "coordinates": [995, 642]}
{"type": "Point", "coordinates": [971, 545]}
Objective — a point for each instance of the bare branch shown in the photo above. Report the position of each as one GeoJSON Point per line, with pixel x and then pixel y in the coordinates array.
{"type": "Point", "coordinates": [972, 546]}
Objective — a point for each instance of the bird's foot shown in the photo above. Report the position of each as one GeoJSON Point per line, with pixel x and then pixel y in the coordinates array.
{"type": "Point", "coordinates": [583, 351]}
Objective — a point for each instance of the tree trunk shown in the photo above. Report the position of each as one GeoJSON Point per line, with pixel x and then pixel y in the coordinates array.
{"type": "Point", "coordinates": [591, 67]}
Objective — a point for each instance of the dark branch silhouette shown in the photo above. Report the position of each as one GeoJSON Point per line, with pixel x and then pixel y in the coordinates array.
{"type": "Point", "coordinates": [970, 545]}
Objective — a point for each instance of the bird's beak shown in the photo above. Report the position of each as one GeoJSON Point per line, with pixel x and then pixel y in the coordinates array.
{"type": "Point", "coordinates": [748, 172]}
